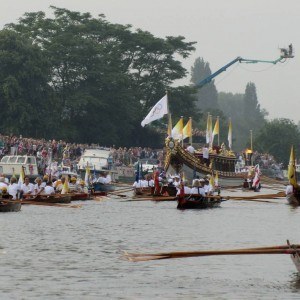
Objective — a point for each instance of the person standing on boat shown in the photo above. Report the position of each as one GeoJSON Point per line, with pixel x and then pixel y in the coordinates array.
{"type": "Point", "coordinates": [205, 153]}
{"type": "Point", "coordinates": [13, 188]}
{"type": "Point", "coordinates": [190, 149]}
{"type": "Point", "coordinates": [176, 181]}
{"type": "Point", "coordinates": [27, 187]}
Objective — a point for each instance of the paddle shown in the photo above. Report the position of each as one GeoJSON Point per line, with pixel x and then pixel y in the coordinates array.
{"type": "Point", "coordinates": [249, 251]}
{"type": "Point", "coordinates": [41, 203]}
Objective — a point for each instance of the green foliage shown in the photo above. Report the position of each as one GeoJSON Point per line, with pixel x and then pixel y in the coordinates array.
{"type": "Point", "coordinates": [245, 113]}
{"type": "Point", "coordinates": [207, 96]}
{"type": "Point", "coordinates": [23, 85]}
{"type": "Point", "coordinates": [276, 137]}
{"type": "Point", "coordinates": [101, 78]}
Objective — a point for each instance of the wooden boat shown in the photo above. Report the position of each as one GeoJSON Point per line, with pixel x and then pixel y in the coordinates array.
{"type": "Point", "coordinates": [150, 191]}
{"type": "Point", "coordinates": [98, 193]}
{"type": "Point", "coordinates": [8, 205]}
{"type": "Point", "coordinates": [56, 198]}
{"type": "Point", "coordinates": [80, 196]}
{"type": "Point", "coordinates": [100, 187]}
{"type": "Point", "coordinates": [198, 202]}
{"type": "Point", "coordinates": [178, 160]}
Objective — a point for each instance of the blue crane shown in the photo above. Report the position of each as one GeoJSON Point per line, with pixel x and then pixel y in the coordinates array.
{"type": "Point", "coordinates": [285, 53]}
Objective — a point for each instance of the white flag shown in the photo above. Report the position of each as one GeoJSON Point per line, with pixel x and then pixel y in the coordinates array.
{"type": "Point", "coordinates": [157, 112]}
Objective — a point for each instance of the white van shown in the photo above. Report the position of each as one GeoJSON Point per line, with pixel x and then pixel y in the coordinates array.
{"type": "Point", "coordinates": [12, 165]}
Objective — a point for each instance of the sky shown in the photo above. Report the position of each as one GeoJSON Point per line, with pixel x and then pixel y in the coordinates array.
{"type": "Point", "coordinates": [223, 30]}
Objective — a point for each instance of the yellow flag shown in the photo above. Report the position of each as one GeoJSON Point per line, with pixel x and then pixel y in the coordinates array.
{"type": "Point", "coordinates": [212, 180]}
{"type": "Point", "coordinates": [217, 179]}
{"type": "Point", "coordinates": [177, 130]}
{"type": "Point", "coordinates": [187, 130]}
{"type": "Point", "coordinates": [22, 177]}
{"type": "Point", "coordinates": [65, 188]}
{"type": "Point", "coordinates": [216, 128]}
{"type": "Point", "coordinates": [292, 169]}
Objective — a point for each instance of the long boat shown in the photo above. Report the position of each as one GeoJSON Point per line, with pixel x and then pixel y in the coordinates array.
{"type": "Point", "coordinates": [80, 196]}
{"type": "Point", "coordinates": [55, 198]}
{"type": "Point", "coordinates": [178, 160]}
{"type": "Point", "coordinates": [8, 205]}
{"type": "Point", "coordinates": [150, 191]}
{"type": "Point", "coordinates": [198, 202]}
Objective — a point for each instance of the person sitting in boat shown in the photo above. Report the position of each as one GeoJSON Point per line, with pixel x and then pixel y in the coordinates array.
{"type": "Point", "coordinates": [170, 182]}
{"type": "Point", "coordinates": [289, 190]}
{"type": "Point", "coordinates": [59, 184]}
{"type": "Point", "coordinates": [45, 180]}
{"type": "Point", "coordinates": [107, 178]}
{"type": "Point", "coordinates": [72, 184]}
{"type": "Point", "coordinates": [187, 190]}
{"type": "Point", "coordinates": [2, 182]}
{"type": "Point", "coordinates": [38, 187]}
{"type": "Point", "coordinates": [208, 188]}
{"type": "Point", "coordinates": [198, 188]}
{"type": "Point", "coordinates": [27, 187]}
{"type": "Point", "coordinates": [49, 189]}
{"type": "Point", "coordinates": [149, 181]}
{"type": "Point", "coordinates": [4, 193]}
{"type": "Point", "coordinates": [82, 188]}
{"type": "Point", "coordinates": [13, 188]}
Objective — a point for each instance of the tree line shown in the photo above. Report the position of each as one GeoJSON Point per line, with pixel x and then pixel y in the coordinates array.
{"type": "Point", "coordinates": [83, 79]}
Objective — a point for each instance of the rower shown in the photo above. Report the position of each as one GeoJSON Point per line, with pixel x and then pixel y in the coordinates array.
{"type": "Point", "coordinates": [13, 188]}
{"type": "Point", "coordinates": [49, 190]}
{"type": "Point", "coordinates": [72, 184]}
{"type": "Point", "coordinates": [38, 187]}
{"type": "Point", "coordinates": [27, 187]}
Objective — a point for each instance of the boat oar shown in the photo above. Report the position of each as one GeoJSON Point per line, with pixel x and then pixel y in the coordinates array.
{"type": "Point", "coordinates": [32, 202]}
{"type": "Point", "coordinates": [250, 251]}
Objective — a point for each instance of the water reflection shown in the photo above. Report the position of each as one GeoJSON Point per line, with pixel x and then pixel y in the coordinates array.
{"type": "Point", "coordinates": [295, 282]}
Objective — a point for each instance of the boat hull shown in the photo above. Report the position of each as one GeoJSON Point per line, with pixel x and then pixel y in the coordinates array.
{"type": "Point", "coordinates": [198, 202]}
{"type": "Point", "coordinates": [293, 200]}
{"type": "Point", "coordinates": [57, 198]}
{"type": "Point", "coordinates": [10, 206]}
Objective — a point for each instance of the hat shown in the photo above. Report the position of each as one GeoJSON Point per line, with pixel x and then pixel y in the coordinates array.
{"type": "Point", "coordinates": [196, 183]}
{"type": "Point", "coordinates": [46, 177]}
{"type": "Point", "coordinates": [73, 178]}
{"type": "Point", "coordinates": [4, 189]}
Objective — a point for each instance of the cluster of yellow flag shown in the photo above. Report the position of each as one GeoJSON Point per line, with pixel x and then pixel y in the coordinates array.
{"type": "Point", "coordinates": [180, 132]}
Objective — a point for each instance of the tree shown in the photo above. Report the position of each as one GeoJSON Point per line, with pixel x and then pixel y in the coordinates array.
{"type": "Point", "coordinates": [207, 96]}
{"type": "Point", "coordinates": [104, 76]}
{"type": "Point", "coordinates": [24, 92]}
{"type": "Point", "coordinates": [276, 137]}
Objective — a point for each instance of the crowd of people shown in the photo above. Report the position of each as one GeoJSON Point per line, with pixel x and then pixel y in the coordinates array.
{"type": "Point", "coordinates": [70, 153]}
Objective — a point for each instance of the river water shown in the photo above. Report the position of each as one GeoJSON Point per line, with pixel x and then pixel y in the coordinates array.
{"type": "Point", "coordinates": [69, 253]}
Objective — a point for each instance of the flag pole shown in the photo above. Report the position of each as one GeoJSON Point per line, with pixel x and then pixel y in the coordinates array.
{"type": "Point", "coordinates": [191, 137]}
{"type": "Point", "coordinates": [218, 119]}
{"type": "Point", "coordinates": [182, 132]}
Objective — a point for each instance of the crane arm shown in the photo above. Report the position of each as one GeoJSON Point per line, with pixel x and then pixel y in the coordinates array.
{"type": "Point", "coordinates": [285, 53]}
